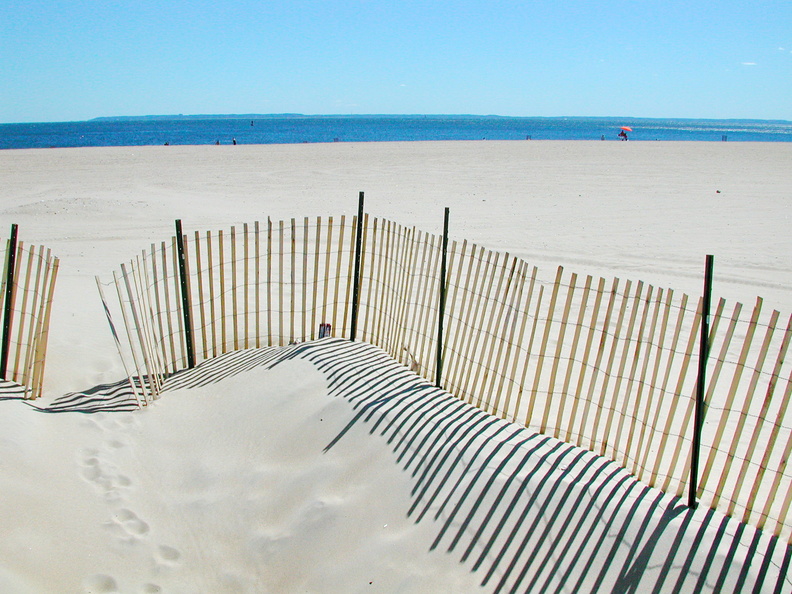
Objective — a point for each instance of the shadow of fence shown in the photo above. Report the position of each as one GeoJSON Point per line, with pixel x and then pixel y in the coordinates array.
{"type": "Point", "coordinates": [525, 511]}
{"type": "Point", "coordinates": [606, 365]}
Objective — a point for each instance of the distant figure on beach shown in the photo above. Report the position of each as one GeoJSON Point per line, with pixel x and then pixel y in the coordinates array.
{"type": "Point", "coordinates": [623, 135]}
{"type": "Point", "coordinates": [234, 141]}
{"type": "Point", "coordinates": [217, 143]}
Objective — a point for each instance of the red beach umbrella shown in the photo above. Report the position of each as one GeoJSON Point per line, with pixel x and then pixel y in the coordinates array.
{"type": "Point", "coordinates": [626, 128]}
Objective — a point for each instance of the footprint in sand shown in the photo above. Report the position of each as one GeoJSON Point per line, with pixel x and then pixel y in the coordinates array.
{"type": "Point", "coordinates": [168, 555]}
{"type": "Point", "coordinates": [103, 475]}
{"type": "Point", "coordinates": [150, 589]}
{"type": "Point", "coordinates": [100, 583]}
{"type": "Point", "coordinates": [127, 526]}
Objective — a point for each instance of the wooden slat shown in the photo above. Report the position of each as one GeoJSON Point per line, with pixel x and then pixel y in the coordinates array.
{"type": "Point", "coordinates": [138, 278]}
{"type": "Point", "coordinates": [201, 295]}
{"type": "Point", "coordinates": [429, 312]}
{"type": "Point", "coordinates": [24, 285]}
{"type": "Point", "coordinates": [42, 324]}
{"type": "Point", "coordinates": [773, 438]}
{"type": "Point", "coordinates": [257, 267]}
{"type": "Point", "coordinates": [41, 343]}
{"type": "Point", "coordinates": [511, 322]}
{"type": "Point", "coordinates": [246, 286]}
{"type": "Point", "coordinates": [648, 429]}
{"type": "Point", "coordinates": [386, 292]}
{"type": "Point", "coordinates": [515, 361]}
{"type": "Point", "coordinates": [688, 398]}
{"type": "Point", "coordinates": [556, 360]}
{"type": "Point", "coordinates": [130, 335]}
{"type": "Point", "coordinates": [571, 363]}
{"type": "Point", "coordinates": [410, 323]}
{"type": "Point", "coordinates": [168, 311]}
{"type": "Point", "coordinates": [491, 302]}
{"type": "Point", "coordinates": [29, 359]}
{"type": "Point", "coordinates": [280, 335]}
{"type": "Point", "coordinates": [363, 286]}
{"type": "Point", "coordinates": [531, 401]}
{"type": "Point", "coordinates": [396, 299]}
{"type": "Point", "coordinates": [616, 394]}
{"type": "Point", "coordinates": [543, 347]}
{"type": "Point", "coordinates": [315, 303]}
{"type": "Point", "coordinates": [589, 399]}
{"type": "Point", "coordinates": [350, 273]}
{"type": "Point", "coordinates": [477, 322]}
{"type": "Point", "coordinates": [729, 403]}
{"type": "Point", "coordinates": [223, 310]}
{"type": "Point", "coordinates": [455, 364]}
{"type": "Point", "coordinates": [30, 342]}
{"type": "Point", "coordinates": [781, 521]}
{"type": "Point", "coordinates": [780, 472]}
{"type": "Point", "coordinates": [155, 282]}
{"type": "Point", "coordinates": [144, 295]}
{"type": "Point", "coordinates": [497, 305]}
{"type": "Point", "coordinates": [328, 275]}
{"type": "Point", "coordinates": [338, 271]}
{"type": "Point", "coordinates": [188, 286]}
{"type": "Point", "coordinates": [212, 297]}
{"type": "Point", "coordinates": [685, 399]}
{"type": "Point", "coordinates": [406, 299]}
{"type": "Point", "coordinates": [234, 291]}
{"type": "Point", "coordinates": [591, 331]}
{"type": "Point", "coordinates": [368, 303]}
{"type": "Point", "coordinates": [392, 271]}
{"type": "Point", "coordinates": [269, 282]}
{"type": "Point", "coordinates": [304, 333]}
{"type": "Point", "coordinates": [593, 435]}
{"type": "Point", "coordinates": [141, 402]}
{"type": "Point", "coordinates": [150, 373]}
{"type": "Point", "coordinates": [452, 321]}
{"type": "Point", "coordinates": [736, 435]}
{"type": "Point", "coordinates": [293, 281]}
{"type": "Point", "coordinates": [648, 346]}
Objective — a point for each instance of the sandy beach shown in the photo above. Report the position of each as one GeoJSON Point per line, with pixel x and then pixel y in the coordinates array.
{"type": "Point", "coordinates": [146, 502]}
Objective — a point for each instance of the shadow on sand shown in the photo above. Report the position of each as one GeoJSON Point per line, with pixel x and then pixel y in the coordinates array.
{"type": "Point", "coordinates": [528, 512]}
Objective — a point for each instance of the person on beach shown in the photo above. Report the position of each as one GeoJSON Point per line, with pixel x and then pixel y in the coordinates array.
{"type": "Point", "coordinates": [234, 141]}
{"type": "Point", "coordinates": [623, 135]}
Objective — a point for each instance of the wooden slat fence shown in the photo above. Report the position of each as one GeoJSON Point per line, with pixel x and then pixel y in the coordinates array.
{"type": "Point", "coordinates": [26, 321]}
{"type": "Point", "coordinates": [608, 365]}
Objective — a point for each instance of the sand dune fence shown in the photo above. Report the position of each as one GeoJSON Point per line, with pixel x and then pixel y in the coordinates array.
{"type": "Point", "coordinates": [607, 364]}
{"type": "Point", "coordinates": [26, 292]}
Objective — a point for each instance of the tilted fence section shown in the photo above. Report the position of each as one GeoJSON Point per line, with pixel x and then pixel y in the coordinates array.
{"type": "Point", "coordinates": [608, 365]}
{"type": "Point", "coordinates": [26, 291]}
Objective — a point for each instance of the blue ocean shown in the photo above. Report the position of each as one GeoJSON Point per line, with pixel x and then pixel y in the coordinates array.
{"type": "Point", "coordinates": [292, 129]}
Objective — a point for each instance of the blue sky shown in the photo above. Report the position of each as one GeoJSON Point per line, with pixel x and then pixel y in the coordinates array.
{"type": "Point", "coordinates": [77, 59]}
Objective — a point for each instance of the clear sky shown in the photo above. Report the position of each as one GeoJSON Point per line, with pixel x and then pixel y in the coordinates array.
{"type": "Point", "coordinates": [78, 59]}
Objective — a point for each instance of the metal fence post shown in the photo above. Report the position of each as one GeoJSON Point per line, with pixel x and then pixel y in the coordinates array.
{"type": "Point", "coordinates": [356, 280]}
{"type": "Point", "coordinates": [188, 337]}
{"type": "Point", "coordinates": [441, 310]}
{"type": "Point", "coordinates": [700, 383]}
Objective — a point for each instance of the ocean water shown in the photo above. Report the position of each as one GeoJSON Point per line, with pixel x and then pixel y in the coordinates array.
{"type": "Point", "coordinates": [292, 129]}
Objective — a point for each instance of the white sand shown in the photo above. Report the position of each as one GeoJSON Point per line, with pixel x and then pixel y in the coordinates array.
{"type": "Point", "coordinates": [224, 488]}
